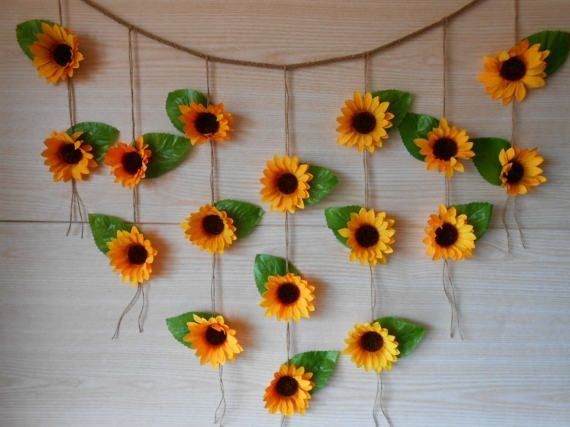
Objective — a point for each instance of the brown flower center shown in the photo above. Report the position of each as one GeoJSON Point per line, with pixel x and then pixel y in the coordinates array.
{"type": "Point", "coordinates": [213, 225]}
{"type": "Point", "coordinates": [132, 162]}
{"type": "Point", "coordinates": [364, 122]}
{"type": "Point", "coordinates": [70, 154]}
{"type": "Point", "coordinates": [207, 123]}
{"type": "Point", "coordinates": [288, 293]}
{"type": "Point", "coordinates": [371, 341]}
{"type": "Point", "coordinates": [446, 235]}
{"type": "Point", "coordinates": [137, 254]}
{"type": "Point", "coordinates": [444, 148]}
{"type": "Point", "coordinates": [215, 337]}
{"type": "Point", "coordinates": [367, 235]}
{"type": "Point", "coordinates": [515, 174]}
{"type": "Point", "coordinates": [62, 54]}
{"type": "Point", "coordinates": [513, 69]}
{"type": "Point", "coordinates": [287, 386]}
{"type": "Point", "coordinates": [287, 183]}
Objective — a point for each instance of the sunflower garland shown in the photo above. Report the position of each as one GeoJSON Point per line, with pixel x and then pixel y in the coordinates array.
{"type": "Point", "coordinates": [521, 170]}
{"type": "Point", "coordinates": [210, 229]}
{"type": "Point", "coordinates": [206, 123]}
{"type": "Point", "coordinates": [289, 391]}
{"type": "Point", "coordinates": [68, 156]}
{"type": "Point", "coordinates": [128, 162]}
{"type": "Point", "coordinates": [372, 347]}
{"type": "Point", "coordinates": [288, 297]}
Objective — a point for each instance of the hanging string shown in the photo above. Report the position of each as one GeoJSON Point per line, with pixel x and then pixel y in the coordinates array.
{"type": "Point", "coordinates": [126, 310]}
{"type": "Point", "coordinates": [378, 406]}
{"type": "Point", "coordinates": [133, 122]}
{"type": "Point", "coordinates": [505, 225]}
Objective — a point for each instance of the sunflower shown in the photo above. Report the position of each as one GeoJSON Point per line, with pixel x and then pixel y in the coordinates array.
{"type": "Point", "coordinates": [131, 256]}
{"type": "Point", "coordinates": [288, 297]}
{"type": "Point", "coordinates": [371, 346]}
{"type": "Point", "coordinates": [521, 171]}
{"type": "Point", "coordinates": [444, 146]}
{"type": "Point", "coordinates": [289, 391]}
{"type": "Point", "coordinates": [364, 122]}
{"type": "Point", "coordinates": [509, 74]}
{"type": "Point", "coordinates": [449, 236]}
{"type": "Point", "coordinates": [202, 124]}
{"type": "Point", "coordinates": [128, 162]}
{"type": "Point", "coordinates": [285, 183]}
{"type": "Point", "coordinates": [210, 229]}
{"type": "Point", "coordinates": [214, 341]}
{"type": "Point", "coordinates": [68, 157]}
{"type": "Point", "coordinates": [369, 235]}
{"type": "Point", "coordinates": [56, 53]}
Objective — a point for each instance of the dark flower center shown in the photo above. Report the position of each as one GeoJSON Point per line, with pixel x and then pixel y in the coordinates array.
{"type": "Point", "coordinates": [513, 69]}
{"type": "Point", "coordinates": [70, 154]}
{"type": "Point", "coordinates": [515, 174]}
{"type": "Point", "coordinates": [367, 236]}
{"type": "Point", "coordinates": [444, 148]}
{"type": "Point", "coordinates": [287, 183]}
{"type": "Point", "coordinates": [213, 225]}
{"type": "Point", "coordinates": [371, 341]}
{"type": "Point", "coordinates": [288, 293]}
{"type": "Point", "coordinates": [137, 254]}
{"type": "Point", "coordinates": [215, 337]}
{"type": "Point", "coordinates": [287, 386]}
{"type": "Point", "coordinates": [207, 123]}
{"type": "Point", "coordinates": [132, 162]}
{"type": "Point", "coordinates": [62, 54]}
{"type": "Point", "coordinates": [446, 235]}
{"type": "Point", "coordinates": [364, 122]}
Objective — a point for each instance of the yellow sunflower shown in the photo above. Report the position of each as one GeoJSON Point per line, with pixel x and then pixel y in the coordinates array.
{"type": "Point", "coordinates": [68, 157]}
{"type": "Point", "coordinates": [510, 74]}
{"type": "Point", "coordinates": [56, 53]}
{"type": "Point", "coordinates": [449, 236]}
{"type": "Point", "coordinates": [128, 162]}
{"type": "Point", "coordinates": [288, 297]}
{"type": "Point", "coordinates": [289, 391]}
{"type": "Point", "coordinates": [131, 256]}
{"type": "Point", "coordinates": [363, 122]}
{"type": "Point", "coordinates": [210, 229]}
{"type": "Point", "coordinates": [372, 347]}
{"type": "Point", "coordinates": [202, 124]}
{"type": "Point", "coordinates": [521, 171]}
{"type": "Point", "coordinates": [214, 341]}
{"type": "Point", "coordinates": [285, 183]}
{"type": "Point", "coordinates": [370, 236]}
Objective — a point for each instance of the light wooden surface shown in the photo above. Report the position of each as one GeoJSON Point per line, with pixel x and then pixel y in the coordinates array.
{"type": "Point", "coordinates": [59, 300]}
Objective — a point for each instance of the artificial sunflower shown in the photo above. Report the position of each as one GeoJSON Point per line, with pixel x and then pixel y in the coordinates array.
{"type": "Point", "coordinates": [210, 229]}
{"type": "Point", "coordinates": [288, 297]}
{"type": "Point", "coordinates": [214, 341]}
{"type": "Point", "coordinates": [444, 146]}
{"type": "Point", "coordinates": [521, 171]}
{"type": "Point", "coordinates": [203, 124]}
{"type": "Point", "coordinates": [289, 391]}
{"type": "Point", "coordinates": [370, 236]}
{"type": "Point", "coordinates": [68, 157]}
{"type": "Point", "coordinates": [449, 236]}
{"type": "Point", "coordinates": [510, 74]}
{"type": "Point", "coordinates": [363, 122]}
{"type": "Point", "coordinates": [285, 183]}
{"type": "Point", "coordinates": [56, 53]}
{"type": "Point", "coordinates": [371, 346]}
{"type": "Point", "coordinates": [128, 162]}
{"type": "Point", "coordinates": [131, 256]}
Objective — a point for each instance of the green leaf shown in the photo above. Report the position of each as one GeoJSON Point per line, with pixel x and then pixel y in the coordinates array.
{"type": "Point", "coordinates": [26, 34]}
{"type": "Point", "coordinates": [104, 229]}
{"type": "Point", "coordinates": [407, 334]}
{"type": "Point", "coordinates": [487, 157]}
{"type": "Point", "coordinates": [416, 126]}
{"type": "Point", "coordinates": [168, 151]}
{"type": "Point", "coordinates": [269, 265]}
{"type": "Point", "coordinates": [323, 182]}
{"type": "Point", "coordinates": [478, 215]}
{"type": "Point", "coordinates": [337, 218]}
{"type": "Point", "coordinates": [100, 136]}
{"type": "Point", "coordinates": [400, 103]}
{"type": "Point", "coordinates": [320, 363]}
{"type": "Point", "coordinates": [558, 43]}
{"type": "Point", "coordinates": [246, 216]}
{"type": "Point", "coordinates": [177, 325]}
{"type": "Point", "coordinates": [181, 97]}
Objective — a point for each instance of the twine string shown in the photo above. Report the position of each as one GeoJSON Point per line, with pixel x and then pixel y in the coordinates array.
{"type": "Point", "coordinates": [135, 198]}
{"type": "Point", "coordinates": [449, 289]}
{"type": "Point", "coordinates": [128, 308]}
{"type": "Point", "coordinates": [517, 222]}
{"type": "Point", "coordinates": [220, 412]}
{"type": "Point", "coordinates": [142, 313]}
{"type": "Point", "coordinates": [505, 225]}
{"type": "Point", "coordinates": [378, 403]}
{"type": "Point", "coordinates": [372, 295]}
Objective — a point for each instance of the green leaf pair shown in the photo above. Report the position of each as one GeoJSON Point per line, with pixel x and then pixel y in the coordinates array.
{"type": "Point", "coordinates": [400, 103]}
{"type": "Point", "coordinates": [478, 215]}
{"type": "Point", "coordinates": [320, 363]}
{"type": "Point", "coordinates": [338, 218]}
{"type": "Point", "coordinates": [245, 215]}
{"type": "Point", "coordinates": [269, 265]}
{"type": "Point", "coordinates": [416, 126]}
{"type": "Point", "coordinates": [105, 228]}
{"type": "Point", "coordinates": [99, 136]}
{"type": "Point", "coordinates": [558, 43]}
{"type": "Point", "coordinates": [408, 334]}
{"type": "Point", "coordinates": [324, 181]}
{"type": "Point", "coordinates": [181, 97]}
{"type": "Point", "coordinates": [27, 34]}
{"type": "Point", "coordinates": [178, 325]}
{"type": "Point", "coordinates": [486, 158]}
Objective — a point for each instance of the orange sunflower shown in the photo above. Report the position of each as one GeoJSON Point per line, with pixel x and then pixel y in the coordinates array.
{"type": "Point", "coordinates": [521, 171]}
{"type": "Point", "coordinates": [203, 124]}
{"type": "Point", "coordinates": [288, 297]}
{"type": "Point", "coordinates": [68, 157]}
{"type": "Point", "coordinates": [372, 347]}
{"type": "Point", "coordinates": [210, 229]}
{"type": "Point", "coordinates": [128, 162]}
{"type": "Point", "coordinates": [289, 391]}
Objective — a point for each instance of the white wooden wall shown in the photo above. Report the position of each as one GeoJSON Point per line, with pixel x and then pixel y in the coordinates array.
{"type": "Point", "coordinates": [59, 300]}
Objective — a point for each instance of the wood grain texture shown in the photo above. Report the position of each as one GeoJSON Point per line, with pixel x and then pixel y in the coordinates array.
{"type": "Point", "coordinates": [59, 301]}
